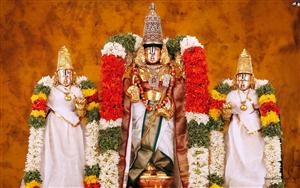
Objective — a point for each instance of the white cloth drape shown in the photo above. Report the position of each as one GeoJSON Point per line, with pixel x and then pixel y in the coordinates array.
{"type": "Point", "coordinates": [244, 152]}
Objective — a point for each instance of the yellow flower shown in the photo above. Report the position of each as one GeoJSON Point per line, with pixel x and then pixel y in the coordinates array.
{"type": "Point", "coordinates": [215, 186]}
{"type": "Point", "coordinates": [215, 113]}
{"type": "Point", "coordinates": [38, 113]}
{"type": "Point", "coordinates": [38, 96]}
{"type": "Point", "coordinates": [92, 105]}
{"type": "Point", "coordinates": [267, 98]}
{"type": "Point", "coordinates": [32, 184]}
{"type": "Point", "coordinates": [217, 95]}
{"type": "Point", "coordinates": [271, 117]}
{"type": "Point", "coordinates": [88, 92]}
{"type": "Point", "coordinates": [90, 179]}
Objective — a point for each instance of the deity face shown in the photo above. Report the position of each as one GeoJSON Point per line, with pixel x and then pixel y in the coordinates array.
{"type": "Point", "coordinates": [65, 76]}
{"type": "Point", "coordinates": [152, 54]}
{"type": "Point", "coordinates": [243, 81]}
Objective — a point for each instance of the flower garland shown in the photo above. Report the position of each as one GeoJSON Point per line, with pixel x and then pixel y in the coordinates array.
{"type": "Point", "coordinates": [91, 171]}
{"type": "Point", "coordinates": [37, 122]}
{"type": "Point", "coordinates": [196, 97]}
{"type": "Point", "coordinates": [113, 67]}
{"type": "Point", "coordinates": [271, 131]}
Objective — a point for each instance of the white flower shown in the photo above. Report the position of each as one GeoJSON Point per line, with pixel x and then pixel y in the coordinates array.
{"type": "Point", "coordinates": [165, 41]}
{"type": "Point", "coordinates": [104, 124]}
{"type": "Point", "coordinates": [228, 81]}
{"type": "Point", "coordinates": [138, 41]}
{"type": "Point", "coordinates": [199, 117]}
{"type": "Point", "coordinates": [188, 42]}
{"type": "Point", "coordinates": [114, 48]}
{"type": "Point", "coordinates": [80, 79]}
{"type": "Point", "coordinates": [217, 153]}
{"type": "Point", "coordinates": [108, 163]}
{"type": "Point", "coordinates": [91, 141]}
{"type": "Point", "coordinates": [259, 83]}
{"type": "Point", "coordinates": [198, 167]}
{"type": "Point", "coordinates": [46, 81]}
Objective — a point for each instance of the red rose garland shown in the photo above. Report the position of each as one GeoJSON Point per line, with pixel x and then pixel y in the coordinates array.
{"type": "Point", "coordinates": [112, 90]}
{"type": "Point", "coordinates": [196, 85]}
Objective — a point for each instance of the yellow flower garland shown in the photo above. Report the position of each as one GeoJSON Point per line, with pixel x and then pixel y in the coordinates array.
{"type": "Point", "coordinates": [38, 113]}
{"type": "Point", "coordinates": [38, 96]}
{"type": "Point", "coordinates": [88, 92]}
{"type": "Point", "coordinates": [215, 186]}
{"type": "Point", "coordinates": [215, 113]}
{"type": "Point", "coordinates": [267, 98]}
{"type": "Point", "coordinates": [90, 179]}
{"type": "Point", "coordinates": [32, 184]}
{"type": "Point", "coordinates": [217, 95]}
{"type": "Point", "coordinates": [92, 105]}
{"type": "Point", "coordinates": [271, 117]}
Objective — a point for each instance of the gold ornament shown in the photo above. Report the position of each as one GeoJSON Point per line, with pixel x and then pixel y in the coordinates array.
{"type": "Point", "coordinates": [244, 64]}
{"type": "Point", "coordinates": [68, 97]}
{"type": "Point", "coordinates": [80, 106]}
{"type": "Point", "coordinates": [165, 58]}
{"type": "Point", "coordinates": [64, 59]}
{"type": "Point", "coordinates": [152, 27]}
{"type": "Point", "coordinates": [243, 106]}
{"type": "Point", "coordinates": [133, 92]}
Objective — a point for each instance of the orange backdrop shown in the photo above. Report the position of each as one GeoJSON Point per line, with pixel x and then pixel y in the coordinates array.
{"type": "Point", "coordinates": [33, 31]}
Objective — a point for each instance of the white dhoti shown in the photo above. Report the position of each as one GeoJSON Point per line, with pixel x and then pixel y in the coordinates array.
{"type": "Point", "coordinates": [244, 152]}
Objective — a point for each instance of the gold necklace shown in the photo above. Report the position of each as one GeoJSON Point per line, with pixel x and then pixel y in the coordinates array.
{"type": "Point", "coordinates": [243, 106]}
{"type": "Point", "coordinates": [68, 94]}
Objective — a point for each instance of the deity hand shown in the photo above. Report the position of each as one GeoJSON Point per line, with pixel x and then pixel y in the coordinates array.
{"type": "Point", "coordinates": [134, 93]}
{"type": "Point", "coordinates": [227, 111]}
{"type": "Point", "coordinates": [80, 106]}
{"type": "Point", "coordinates": [168, 110]}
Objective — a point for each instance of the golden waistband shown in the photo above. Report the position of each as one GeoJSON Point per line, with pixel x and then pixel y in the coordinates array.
{"type": "Point", "coordinates": [153, 95]}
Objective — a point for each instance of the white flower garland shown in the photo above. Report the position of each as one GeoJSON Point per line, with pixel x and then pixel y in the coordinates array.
{"type": "Point", "coordinates": [138, 41]}
{"type": "Point", "coordinates": [104, 124]}
{"type": "Point", "coordinates": [46, 81]}
{"type": "Point", "coordinates": [198, 167]}
{"type": "Point", "coordinates": [108, 163]}
{"type": "Point", "coordinates": [35, 146]}
{"type": "Point", "coordinates": [217, 153]}
{"type": "Point", "coordinates": [114, 48]}
{"type": "Point", "coordinates": [188, 42]}
{"type": "Point", "coordinates": [91, 142]}
{"type": "Point", "coordinates": [198, 156]}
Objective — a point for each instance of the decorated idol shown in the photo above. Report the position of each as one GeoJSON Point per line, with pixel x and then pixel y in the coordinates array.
{"type": "Point", "coordinates": [154, 104]}
{"type": "Point", "coordinates": [253, 151]}
{"type": "Point", "coordinates": [63, 108]}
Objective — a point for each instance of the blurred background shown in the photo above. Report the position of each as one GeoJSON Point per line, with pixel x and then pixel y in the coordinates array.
{"type": "Point", "coordinates": [32, 31]}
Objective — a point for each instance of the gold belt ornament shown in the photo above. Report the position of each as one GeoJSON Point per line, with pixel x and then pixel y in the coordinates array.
{"type": "Point", "coordinates": [153, 95]}
{"type": "Point", "coordinates": [63, 118]}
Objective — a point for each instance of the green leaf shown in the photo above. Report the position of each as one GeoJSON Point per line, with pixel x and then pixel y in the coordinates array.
{"type": "Point", "coordinates": [32, 175]}
{"type": "Point", "coordinates": [277, 185]}
{"type": "Point", "coordinates": [223, 88]}
{"type": "Point", "coordinates": [272, 130]}
{"type": "Point", "coordinates": [173, 45]}
{"type": "Point", "coordinates": [93, 114]}
{"type": "Point", "coordinates": [265, 89]}
{"type": "Point", "coordinates": [126, 40]}
{"type": "Point", "coordinates": [92, 170]}
{"type": "Point", "coordinates": [110, 139]}
{"type": "Point", "coordinates": [42, 89]}
{"type": "Point", "coordinates": [216, 125]}
{"type": "Point", "coordinates": [36, 122]}
{"type": "Point", "coordinates": [198, 134]}
{"type": "Point", "coordinates": [215, 179]}
{"type": "Point", "coordinates": [86, 84]}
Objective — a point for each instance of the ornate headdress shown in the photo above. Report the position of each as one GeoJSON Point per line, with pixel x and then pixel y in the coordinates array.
{"type": "Point", "coordinates": [244, 63]}
{"type": "Point", "coordinates": [64, 59]}
{"type": "Point", "coordinates": [152, 28]}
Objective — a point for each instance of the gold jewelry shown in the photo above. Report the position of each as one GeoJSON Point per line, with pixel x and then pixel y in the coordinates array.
{"type": "Point", "coordinates": [68, 94]}
{"type": "Point", "coordinates": [243, 106]}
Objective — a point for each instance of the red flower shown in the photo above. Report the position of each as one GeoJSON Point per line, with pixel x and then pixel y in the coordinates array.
{"type": "Point", "coordinates": [39, 104]}
{"type": "Point", "coordinates": [269, 106]}
{"type": "Point", "coordinates": [196, 85]}
{"type": "Point", "coordinates": [93, 98]}
{"type": "Point", "coordinates": [112, 87]}
{"type": "Point", "coordinates": [218, 104]}
{"type": "Point", "coordinates": [92, 185]}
